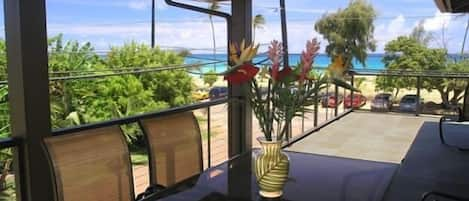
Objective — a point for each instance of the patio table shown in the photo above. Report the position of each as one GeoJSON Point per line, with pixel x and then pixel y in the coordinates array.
{"type": "Point", "coordinates": [311, 177]}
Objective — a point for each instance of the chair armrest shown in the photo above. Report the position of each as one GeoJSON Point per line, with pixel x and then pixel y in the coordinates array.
{"type": "Point", "coordinates": [442, 195]}
{"type": "Point", "coordinates": [153, 189]}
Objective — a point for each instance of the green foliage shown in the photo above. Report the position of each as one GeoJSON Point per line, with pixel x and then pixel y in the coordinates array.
{"type": "Point", "coordinates": [65, 60]}
{"type": "Point", "coordinates": [116, 97]}
{"type": "Point", "coordinates": [210, 78]}
{"type": "Point", "coordinates": [170, 86]}
{"type": "Point", "coordinates": [3, 60]}
{"type": "Point", "coordinates": [5, 154]}
{"type": "Point", "coordinates": [349, 32]}
{"type": "Point", "coordinates": [79, 101]}
{"type": "Point", "coordinates": [359, 82]}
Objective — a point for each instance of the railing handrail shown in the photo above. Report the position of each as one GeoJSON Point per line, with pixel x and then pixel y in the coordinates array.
{"type": "Point", "coordinates": [135, 118]}
{"type": "Point", "coordinates": [9, 142]}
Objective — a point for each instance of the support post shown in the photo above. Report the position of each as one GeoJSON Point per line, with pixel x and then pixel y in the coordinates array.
{"type": "Point", "coordinates": [239, 111]}
{"type": "Point", "coordinates": [419, 85]}
{"type": "Point", "coordinates": [26, 45]}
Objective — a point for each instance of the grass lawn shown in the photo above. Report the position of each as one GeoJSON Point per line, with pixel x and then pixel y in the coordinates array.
{"type": "Point", "coordinates": [139, 156]}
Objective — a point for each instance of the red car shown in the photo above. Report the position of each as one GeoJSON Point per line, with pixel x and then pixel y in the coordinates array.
{"type": "Point", "coordinates": [329, 100]}
{"type": "Point", "coordinates": [357, 102]}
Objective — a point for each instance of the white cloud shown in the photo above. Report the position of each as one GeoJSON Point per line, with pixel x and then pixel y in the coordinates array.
{"type": "Point", "coordinates": [139, 4]}
{"type": "Point", "coordinates": [437, 22]}
{"type": "Point", "coordinates": [132, 4]}
{"type": "Point", "coordinates": [196, 33]}
{"type": "Point", "coordinates": [386, 32]}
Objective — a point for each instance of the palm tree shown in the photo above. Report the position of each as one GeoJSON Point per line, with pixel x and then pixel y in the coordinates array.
{"type": "Point", "coordinates": [213, 6]}
{"type": "Point", "coordinates": [464, 40]}
{"type": "Point", "coordinates": [257, 22]}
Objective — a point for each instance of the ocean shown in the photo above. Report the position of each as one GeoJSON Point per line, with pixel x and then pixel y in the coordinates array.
{"type": "Point", "coordinates": [322, 60]}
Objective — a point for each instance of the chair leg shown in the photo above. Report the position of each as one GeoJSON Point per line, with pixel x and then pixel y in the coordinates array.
{"type": "Point", "coordinates": [440, 127]}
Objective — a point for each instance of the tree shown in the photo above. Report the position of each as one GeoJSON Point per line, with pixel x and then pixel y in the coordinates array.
{"type": "Point", "coordinates": [213, 6]}
{"type": "Point", "coordinates": [421, 35]}
{"type": "Point", "coordinates": [406, 53]}
{"type": "Point", "coordinates": [349, 32]}
{"type": "Point", "coordinates": [258, 23]}
{"type": "Point", "coordinates": [172, 86]}
{"type": "Point", "coordinates": [210, 78]}
{"type": "Point", "coordinates": [464, 39]}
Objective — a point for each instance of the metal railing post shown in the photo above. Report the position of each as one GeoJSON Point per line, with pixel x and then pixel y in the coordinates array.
{"type": "Point", "coordinates": [419, 85]}
{"type": "Point", "coordinates": [209, 144]}
{"type": "Point", "coordinates": [303, 121]}
{"type": "Point", "coordinates": [351, 90]}
{"type": "Point", "coordinates": [316, 107]}
{"type": "Point", "coordinates": [327, 101]}
{"type": "Point", "coordinates": [337, 101]}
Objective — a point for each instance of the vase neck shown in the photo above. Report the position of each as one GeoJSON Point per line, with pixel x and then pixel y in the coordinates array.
{"type": "Point", "coordinates": [271, 148]}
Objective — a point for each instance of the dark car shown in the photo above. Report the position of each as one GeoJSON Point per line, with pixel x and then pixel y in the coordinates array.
{"type": "Point", "coordinates": [357, 102]}
{"type": "Point", "coordinates": [382, 101]}
{"type": "Point", "coordinates": [329, 100]}
{"type": "Point", "coordinates": [409, 103]}
{"type": "Point", "coordinates": [218, 92]}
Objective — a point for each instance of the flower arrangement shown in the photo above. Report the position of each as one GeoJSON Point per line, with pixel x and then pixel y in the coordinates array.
{"type": "Point", "coordinates": [289, 90]}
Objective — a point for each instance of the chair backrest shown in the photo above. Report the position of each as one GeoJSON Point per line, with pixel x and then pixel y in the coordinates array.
{"type": "Point", "coordinates": [174, 147]}
{"type": "Point", "coordinates": [465, 107]}
{"type": "Point", "coordinates": [91, 165]}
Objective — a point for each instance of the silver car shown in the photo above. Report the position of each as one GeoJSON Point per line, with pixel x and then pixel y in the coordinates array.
{"type": "Point", "coordinates": [382, 101]}
{"type": "Point", "coordinates": [409, 103]}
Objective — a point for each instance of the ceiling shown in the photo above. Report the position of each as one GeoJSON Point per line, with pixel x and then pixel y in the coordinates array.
{"type": "Point", "coordinates": [453, 6]}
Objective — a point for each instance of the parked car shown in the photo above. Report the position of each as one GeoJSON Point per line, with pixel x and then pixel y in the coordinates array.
{"type": "Point", "coordinates": [409, 103]}
{"type": "Point", "coordinates": [382, 101]}
{"type": "Point", "coordinates": [218, 92]}
{"type": "Point", "coordinates": [357, 102]}
{"type": "Point", "coordinates": [329, 100]}
{"type": "Point", "coordinates": [200, 94]}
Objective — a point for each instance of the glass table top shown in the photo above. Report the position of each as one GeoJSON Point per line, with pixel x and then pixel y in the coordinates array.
{"type": "Point", "coordinates": [311, 177]}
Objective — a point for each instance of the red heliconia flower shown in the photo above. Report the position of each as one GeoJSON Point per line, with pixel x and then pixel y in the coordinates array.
{"type": "Point", "coordinates": [307, 58]}
{"type": "Point", "coordinates": [275, 52]}
{"type": "Point", "coordinates": [242, 74]}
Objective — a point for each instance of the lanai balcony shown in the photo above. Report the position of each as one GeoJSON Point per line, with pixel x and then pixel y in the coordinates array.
{"type": "Point", "coordinates": [355, 154]}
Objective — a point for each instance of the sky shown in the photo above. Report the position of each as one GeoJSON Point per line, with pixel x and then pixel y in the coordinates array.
{"type": "Point", "coordinates": [107, 23]}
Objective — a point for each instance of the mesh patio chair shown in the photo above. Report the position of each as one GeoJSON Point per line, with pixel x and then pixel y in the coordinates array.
{"type": "Point", "coordinates": [175, 149]}
{"type": "Point", "coordinates": [91, 165]}
{"type": "Point", "coordinates": [462, 116]}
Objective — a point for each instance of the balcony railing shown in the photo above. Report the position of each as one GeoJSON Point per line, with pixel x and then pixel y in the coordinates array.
{"type": "Point", "coordinates": [212, 118]}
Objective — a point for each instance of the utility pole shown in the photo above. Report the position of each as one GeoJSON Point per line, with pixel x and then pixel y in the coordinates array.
{"type": "Point", "coordinates": [153, 4]}
{"type": "Point", "coordinates": [283, 19]}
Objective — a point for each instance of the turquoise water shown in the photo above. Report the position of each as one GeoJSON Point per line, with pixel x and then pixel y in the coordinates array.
{"type": "Point", "coordinates": [322, 60]}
